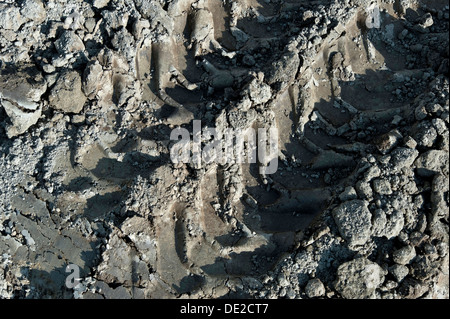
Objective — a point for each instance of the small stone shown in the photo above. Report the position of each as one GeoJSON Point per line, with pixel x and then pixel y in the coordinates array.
{"type": "Point", "coordinates": [259, 92]}
{"type": "Point", "coordinates": [89, 24]}
{"type": "Point", "coordinates": [399, 272]}
{"type": "Point", "coordinates": [93, 80]}
{"type": "Point", "coordinates": [314, 288]}
{"type": "Point", "coordinates": [394, 225]}
{"type": "Point", "coordinates": [69, 42]}
{"type": "Point", "coordinates": [48, 68]}
{"type": "Point", "coordinates": [67, 95]}
{"type": "Point", "coordinates": [426, 20]}
{"type": "Point", "coordinates": [353, 219]}
{"type": "Point", "coordinates": [348, 194]}
{"type": "Point", "coordinates": [410, 142]}
{"type": "Point", "coordinates": [420, 113]}
{"type": "Point", "coordinates": [422, 268]}
{"type": "Point", "coordinates": [250, 201]}
{"type": "Point", "coordinates": [359, 278]}
{"type": "Point", "coordinates": [379, 223]}
{"type": "Point", "coordinates": [386, 142]}
{"type": "Point", "coordinates": [240, 36]}
{"type": "Point", "coordinates": [115, 19]}
{"type": "Point", "coordinates": [382, 186]}
{"type": "Point", "coordinates": [78, 119]}
{"type": "Point", "coordinates": [426, 135]}
{"type": "Point", "coordinates": [397, 119]}
{"type": "Point", "coordinates": [20, 92]}
{"type": "Point", "coordinates": [10, 18]}
{"type": "Point", "coordinates": [364, 190]}
{"type": "Point", "coordinates": [404, 255]}
{"type": "Point", "coordinates": [403, 157]}
{"type": "Point", "coordinates": [440, 126]}
{"type": "Point", "coordinates": [431, 162]}
{"type": "Point", "coordinates": [416, 238]}
{"type": "Point", "coordinates": [33, 10]}
{"type": "Point", "coordinates": [20, 120]}
{"type": "Point", "coordinates": [99, 4]}
{"type": "Point", "coordinates": [412, 289]}
{"type": "Point", "coordinates": [282, 280]}
{"type": "Point", "coordinates": [373, 172]}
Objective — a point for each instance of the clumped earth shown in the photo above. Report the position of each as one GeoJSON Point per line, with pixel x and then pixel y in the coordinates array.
{"type": "Point", "coordinates": [91, 90]}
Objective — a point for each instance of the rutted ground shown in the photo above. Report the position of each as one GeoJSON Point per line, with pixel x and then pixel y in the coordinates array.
{"type": "Point", "coordinates": [358, 207]}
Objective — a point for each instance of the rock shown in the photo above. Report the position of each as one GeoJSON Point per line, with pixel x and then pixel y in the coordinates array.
{"type": "Point", "coordinates": [33, 10]}
{"type": "Point", "coordinates": [21, 120]}
{"type": "Point", "coordinates": [353, 219]}
{"type": "Point", "coordinates": [10, 17]}
{"type": "Point", "coordinates": [431, 162]}
{"type": "Point", "coordinates": [382, 186]}
{"type": "Point", "coordinates": [23, 86]}
{"type": "Point", "coordinates": [402, 6]}
{"type": "Point", "coordinates": [439, 206]}
{"type": "Point", "coordinates": [373, 172]}
{"type": "Point", "coordinates": [359, 278]}
{"type": "Point", "coordinates": [314, 288]}
{"type": "Point", "coordinates": [284, 69]}
{"type": "Point", "coordinates": [425, 134]}
{"type": "Point", "coordinates": [21, 89]}
{"type": "Point", "coordinates": [74, 21]}
{"type": "Point", "coordinates": [138, 230]}
{"type": "Point", "coordinates": [379, 221]}
{"type": "Point", "coordinates": [67, 95]}
{"type": "Point", "coordinates": [420, 112]}
{"type": "Point", "coordinates": [283, 281]}
{"type": "Point", "coordinates": [240, 36]}
{"type": "Point", "coordinates": [440, 126]}
{"type": "Point", "coordinates": [93, 80]}
{"type": "Point", "coordinates": [259, 92]}
{"type": "Point", "coordinates": [221, 80]}
{"type": "Point", "coordinates": [99, 4]}
{"type": "Point", "coordinates": [403, 157]}
{"type": "Point", "coordinates": [416, 47]}
{"type": "Point", "coordinates": [388, 226]}
{"type": "Point", "coordinates": [117, 262]}
{"type": "Point", "coordinates": [348, 194]}
{"type": "Point", "coordinates": [89, 24]}
{"type": "Point", "coordinates": [412, 289]}
{"type": "Point", "coordinates": [394, 225]}
{"type": "Point", "coordinates": [115, 19]}
{"type": "Point", "coordinates": [364, 190]}
{"type": "Point", "coordinates": [69, 42]}
{"type": "Point", "coordinates": [403, 34]}
{"type": "Point", "coordinates": [404, 255]}
{"type": "Point", "coordinates": [426, 20]}
{"type": "Point", "coordinates": [422, 268]}
{"type": "Point", "coordinates": [386, 142]}
{"type": "Point", "coordinates": [399, 272]}
{"type": "Point", "coordinates": [410, 142]}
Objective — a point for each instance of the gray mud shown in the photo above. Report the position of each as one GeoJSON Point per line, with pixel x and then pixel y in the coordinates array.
{"type": "Point", "coordinates": [90, 92]}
